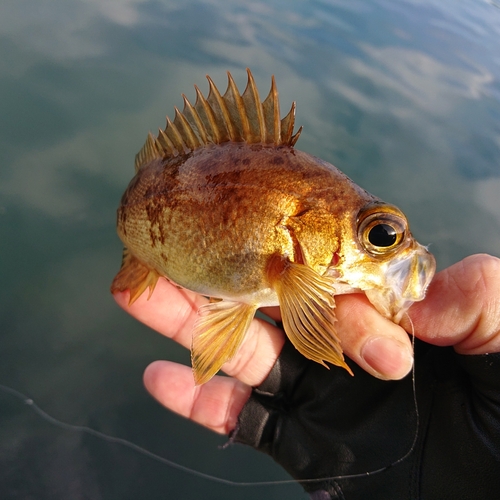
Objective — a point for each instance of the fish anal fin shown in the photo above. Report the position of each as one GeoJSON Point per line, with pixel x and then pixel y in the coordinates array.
{"type": "Point", "coordinates": [218, 333]}
{"type": "Point", "coordinates": [307, 309]}
{"type": "Point", "coordinates": [134, 276]}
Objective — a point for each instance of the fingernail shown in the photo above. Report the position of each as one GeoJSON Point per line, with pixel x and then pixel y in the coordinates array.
{"type": "Point", "coordinates": [389, 358]}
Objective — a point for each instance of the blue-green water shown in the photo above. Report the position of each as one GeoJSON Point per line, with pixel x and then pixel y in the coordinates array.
{"type": "Point", "coordinates": [402, 95]}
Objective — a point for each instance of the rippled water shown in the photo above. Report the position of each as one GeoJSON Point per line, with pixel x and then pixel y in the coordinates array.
{"type": "Point", "coordinates": [403, 96]}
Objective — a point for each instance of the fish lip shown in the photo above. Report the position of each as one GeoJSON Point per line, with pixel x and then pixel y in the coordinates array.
{"type": "Point", "coordinates": [391, 286]}
{"type": "Point", "coordinates": [409, 277]}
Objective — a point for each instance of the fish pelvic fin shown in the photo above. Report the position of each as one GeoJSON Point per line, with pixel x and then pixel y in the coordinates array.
{"type": "Point", "coordinates": [134, 276]}
{"type": "Point", "coordinates": [217, 335]}
{"type": "Point", "coordinates": [307, 309]}
{"type": "Point", "coordinates": [221, 118]}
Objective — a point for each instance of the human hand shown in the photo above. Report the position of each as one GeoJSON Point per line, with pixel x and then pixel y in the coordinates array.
{"type": "Point", "coordinates": [462, 308]}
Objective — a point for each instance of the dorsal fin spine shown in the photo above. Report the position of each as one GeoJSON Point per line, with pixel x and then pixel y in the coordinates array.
{"type": "Point", "coordinates": [295, 137]}
{"type": "Point", "coordinates": [271, 111]}
{"type": "Point", "coordinates": [278, 129]}
{"type": "Point", "coordinates": [287, 124]}
{"type": "Point", "coordinates": [194, 119]}
{"type": "Point", "coordinates": [168, 145]}
{"type": "Point", "coordinates": [221, 113]}
{"type": "Point", "coordinates": [253, 107]}
{"type": "Point", "coordinates": [236, 110]}
{"type": "Point", "coordinates": [175, 136]}
{"type": "Point", "coordinates": [147, 153]}
{"type": "Point", "coordinates": [160, 149]}
{"type": "Point", "coordinates": [207, 116]}
{"type": "Point", "coordinates": [217, 119]}
{"type": "Point", "coordinates": [185, 130]}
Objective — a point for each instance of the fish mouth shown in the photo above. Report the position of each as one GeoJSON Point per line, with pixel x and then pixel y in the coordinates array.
{"type": "Point", "coordinates": [406, 280]}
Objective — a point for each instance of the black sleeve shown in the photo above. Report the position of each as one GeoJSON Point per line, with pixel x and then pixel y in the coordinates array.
{"type": "Point", "coordinates": [378, 439]}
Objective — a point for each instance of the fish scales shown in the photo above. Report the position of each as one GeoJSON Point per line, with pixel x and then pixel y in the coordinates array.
{"type": "Point", "coordinates": [256, 222]}
{"type": "Point", "coordinates": [226, 215]}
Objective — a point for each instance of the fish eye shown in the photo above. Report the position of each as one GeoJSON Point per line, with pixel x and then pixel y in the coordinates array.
{"type": "Point", "coordinates": [381, 232]}
{"type": "Point", "coordinates": [382, 235]}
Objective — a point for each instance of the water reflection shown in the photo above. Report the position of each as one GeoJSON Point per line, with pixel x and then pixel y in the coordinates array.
{"type": "Point", "coordinates": [402, 96]}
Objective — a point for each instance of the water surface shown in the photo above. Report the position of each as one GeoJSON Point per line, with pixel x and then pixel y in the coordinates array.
{"type": "Point", "coordinates": [403, 96]}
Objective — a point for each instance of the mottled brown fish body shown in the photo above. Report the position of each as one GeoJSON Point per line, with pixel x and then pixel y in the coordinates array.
{"type": "Point", "coordinates": [224, 205]}
{"type": "Point", "coordinates": [210, 221]}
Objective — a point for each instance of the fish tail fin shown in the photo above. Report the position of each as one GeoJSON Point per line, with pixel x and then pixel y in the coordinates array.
{"type": "Point", "coordinates": [217, 335]}
{"type": "Point", "coordinates": [134, 276]}
{"type": "Point", "coordinates": [307, 309]}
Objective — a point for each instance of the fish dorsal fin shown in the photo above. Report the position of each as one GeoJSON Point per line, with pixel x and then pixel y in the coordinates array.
{"type": "Point", "coordinates": [222, 118]}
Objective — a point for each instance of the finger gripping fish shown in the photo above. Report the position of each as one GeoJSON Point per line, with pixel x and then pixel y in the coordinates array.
{"type": "Point", "coordinates": [224, 205]}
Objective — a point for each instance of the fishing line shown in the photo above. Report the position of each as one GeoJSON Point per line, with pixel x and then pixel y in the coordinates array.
{"type": "Point", "coordinates": [415, 437]}
{"type": "Point", "coordinates": [128, 444]}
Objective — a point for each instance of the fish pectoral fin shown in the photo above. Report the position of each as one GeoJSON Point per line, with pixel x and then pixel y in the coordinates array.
{"type": "Point", "coordinates": [307, 309]}
{"type": "Point", "coordinates": [217, 335]}
{"type": "Point", "coordinates": [134, 276]}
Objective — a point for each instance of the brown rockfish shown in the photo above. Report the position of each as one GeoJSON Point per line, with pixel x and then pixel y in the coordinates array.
{"type": "Point", "coordinates": [224, 205]}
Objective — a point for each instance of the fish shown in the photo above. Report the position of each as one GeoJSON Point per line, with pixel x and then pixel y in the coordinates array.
{"type": "Point", "coordinates": [224, 205]}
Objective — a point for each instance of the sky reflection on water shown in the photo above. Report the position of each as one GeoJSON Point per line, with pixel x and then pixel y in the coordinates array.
{"type": "Point", "coordinates": [403, 96]}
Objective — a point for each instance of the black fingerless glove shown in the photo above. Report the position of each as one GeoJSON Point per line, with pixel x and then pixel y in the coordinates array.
{"type": "Point", "coordinates": [365, 435]}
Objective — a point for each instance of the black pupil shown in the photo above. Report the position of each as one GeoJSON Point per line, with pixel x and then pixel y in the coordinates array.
{"type": "Point", "coordinates": [382, 235]}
